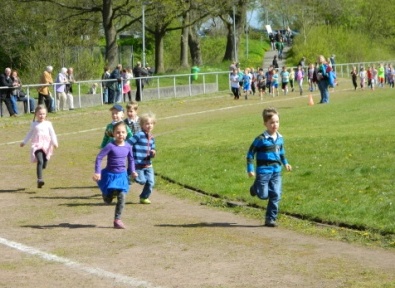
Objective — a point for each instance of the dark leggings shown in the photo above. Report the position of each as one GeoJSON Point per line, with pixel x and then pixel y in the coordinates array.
{"type": "Point", "coordinates": [120, 202]}
{"type": "Point", "coordinates": [41, 163]}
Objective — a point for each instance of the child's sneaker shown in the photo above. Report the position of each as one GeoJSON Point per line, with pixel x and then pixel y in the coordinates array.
{"type": "Point", "coordinates": [40, 183]}
{"type": "Point", "coordinates": [145, 201]}
{"type": "Point", "coordinates": [118, 224]}
{"type": "Point", "coordinates": [252, 191]}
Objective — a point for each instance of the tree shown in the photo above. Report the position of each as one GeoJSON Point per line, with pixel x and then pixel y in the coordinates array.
{"type": "Point", "coordinates": [116, 16]}
{"type": "Point", "coordinates": [233, 14]}
{"type": "Point", "coordinates": [168, 15]}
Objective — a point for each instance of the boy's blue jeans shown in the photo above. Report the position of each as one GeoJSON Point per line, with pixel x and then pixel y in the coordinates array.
{"type": "Point", "coordinates": [268, 186]}
{"type": "Point", "coordinates": [146, 177]}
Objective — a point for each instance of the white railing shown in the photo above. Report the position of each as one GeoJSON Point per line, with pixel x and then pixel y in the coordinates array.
{"type": "Point", "coordinates": [166, 86]}
{"type": "Point", "coordinates": [156, 87]}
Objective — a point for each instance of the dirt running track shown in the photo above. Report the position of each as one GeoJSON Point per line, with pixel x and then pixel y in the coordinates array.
{"type": "Point", "coordinates": [171, 243]}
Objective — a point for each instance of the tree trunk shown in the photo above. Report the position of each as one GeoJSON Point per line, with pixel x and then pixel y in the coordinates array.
{"type": "Point", "coordinates": [159, 61]}
{"type": "Point", "coordinates": [239, 18]}
{"type": "Point", "coordinates": [110, 34]}
{"type": "Point", "coordinates": [184, 42]}
{"type": "Point", "coordinates": [194, 47]}
{"type": "Point", "coordinates": [230, 54]}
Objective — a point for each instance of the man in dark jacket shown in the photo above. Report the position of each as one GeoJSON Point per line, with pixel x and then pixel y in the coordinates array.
{"type": "Point", "coordinates": [114, 88]}
{"type": "Point", "coordinates": [5, 94]}
{"type": "Point", "coordinates": [139, 71]}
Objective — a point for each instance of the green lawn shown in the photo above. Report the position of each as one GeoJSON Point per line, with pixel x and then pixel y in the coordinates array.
{"type": "Point", "coordinates": [342, 154]}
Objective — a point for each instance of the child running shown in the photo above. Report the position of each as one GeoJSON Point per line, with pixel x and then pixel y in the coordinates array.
{"type": "Point", "coordinates": [143, 151]}
{"type": "Point", "coordinates": [117, 116]}
{"type": "Point", "coordinates": [133, 120]}
{"type": "Point", "coordinates": [270, 155]}
{"type": "Point", "coordinates": [113, 180]}
{"type": "Point", "coordinates": [43, 140]}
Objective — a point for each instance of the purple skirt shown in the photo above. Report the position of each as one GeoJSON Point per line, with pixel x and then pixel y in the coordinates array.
{"type": "Point", "coordinates": [111, 181]}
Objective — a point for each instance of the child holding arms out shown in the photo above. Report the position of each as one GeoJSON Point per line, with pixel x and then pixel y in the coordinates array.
{"type": "Point", "coordinates": [143, 151]}
{"type": "Point", "coordinates": [43, 140]}
{"type": "Point", "coordinates": [117, 116]}
{"type": "Point", "coordinates": [113, 180]}
{"type": "Point", "coordinates": [268, 148]}
{"type": "Point", "coordinates": [132, 120]}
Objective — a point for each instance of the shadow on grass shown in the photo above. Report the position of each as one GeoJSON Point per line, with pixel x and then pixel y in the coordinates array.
{"type": "Point", "coordinates": [12, 190]}
{"type": "Point", "coordinates": [206, 224]}
{"type": "Point", "coordinates": [61, 225]}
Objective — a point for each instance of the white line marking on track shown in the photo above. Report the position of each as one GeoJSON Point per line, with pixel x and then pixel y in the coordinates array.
{"type": "Point", "coordinates": [132, 282]}
{"type": "Point", "coordinates": [270, 100]}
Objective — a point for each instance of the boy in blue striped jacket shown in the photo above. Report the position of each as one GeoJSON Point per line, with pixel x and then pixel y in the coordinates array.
{"type": "Point", "coordinates": [270, 155]}
{"type": "Point", "coordinates": [143, 151]}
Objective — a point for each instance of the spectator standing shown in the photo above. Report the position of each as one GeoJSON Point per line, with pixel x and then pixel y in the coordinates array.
{"type": "Point", "coordinates": [114, 89]}
{"type": "Point", "coordinates": [5, 94]}
{"type": "Point", "coordinates": [105, 84]}
{"type": "Point", "coordinates": [69, 88]}
{"type": "Point", "coordinates": [126, 89]}
{"type": "Point", "coordinates": [322, 79]}
{"type": "Point", "coordinates": [139, 72]}
{"type": "Point", "coordinates": [60, 88]}
{"type": "Point", "coordinates": [44, 95]}
{"type": "Point", "coordinates": [20, 95]}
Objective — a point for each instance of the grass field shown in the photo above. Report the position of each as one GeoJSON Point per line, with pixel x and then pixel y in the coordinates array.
{"type": "Point", "coordinates": [342, 153]}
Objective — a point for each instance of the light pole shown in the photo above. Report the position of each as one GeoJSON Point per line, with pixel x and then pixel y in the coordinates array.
{"type": "Point", "coordinates": [234, 32]}
{"type": "Point", "coordinates": [143, 31]}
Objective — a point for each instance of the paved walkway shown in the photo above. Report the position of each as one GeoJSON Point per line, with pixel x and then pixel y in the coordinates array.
{"type": "Point", "coordinates": [269, 55]}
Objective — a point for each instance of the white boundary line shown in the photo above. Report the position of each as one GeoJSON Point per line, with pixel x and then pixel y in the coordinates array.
{"type": "Point", "coordinates": [132, 282]}
{"type": "Point", "coordinates": [270, 100]}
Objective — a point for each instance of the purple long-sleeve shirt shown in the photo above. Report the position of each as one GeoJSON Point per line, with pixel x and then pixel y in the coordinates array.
{"type": "Point", "coordinates": [116, 158]}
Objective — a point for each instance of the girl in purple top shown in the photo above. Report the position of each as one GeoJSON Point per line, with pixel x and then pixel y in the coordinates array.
{"type": "Point", "coordinates": [113, 180]}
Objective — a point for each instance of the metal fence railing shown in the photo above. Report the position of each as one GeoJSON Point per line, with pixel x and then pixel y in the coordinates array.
{"type": "Point", "coordinates": [155, 87]}
{"type": "Point", "coordinates": [159, 87]}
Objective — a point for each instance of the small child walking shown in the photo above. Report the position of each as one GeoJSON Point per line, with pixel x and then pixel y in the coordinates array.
{"type": "Point", "coordinates": [113, 180]}
{"type": "Point", "coordinates": [43, 141]}
{"type": "Point", "coordinates": [268, 148]}
{"type": "Point", "coordinates": [354, 75]}
{"type": "Point", "coordinates": [133, 120]}
{"type": "Point", "coordinates": [143, 144]}
{"type": "Point", "coordinates": [117, 116]}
